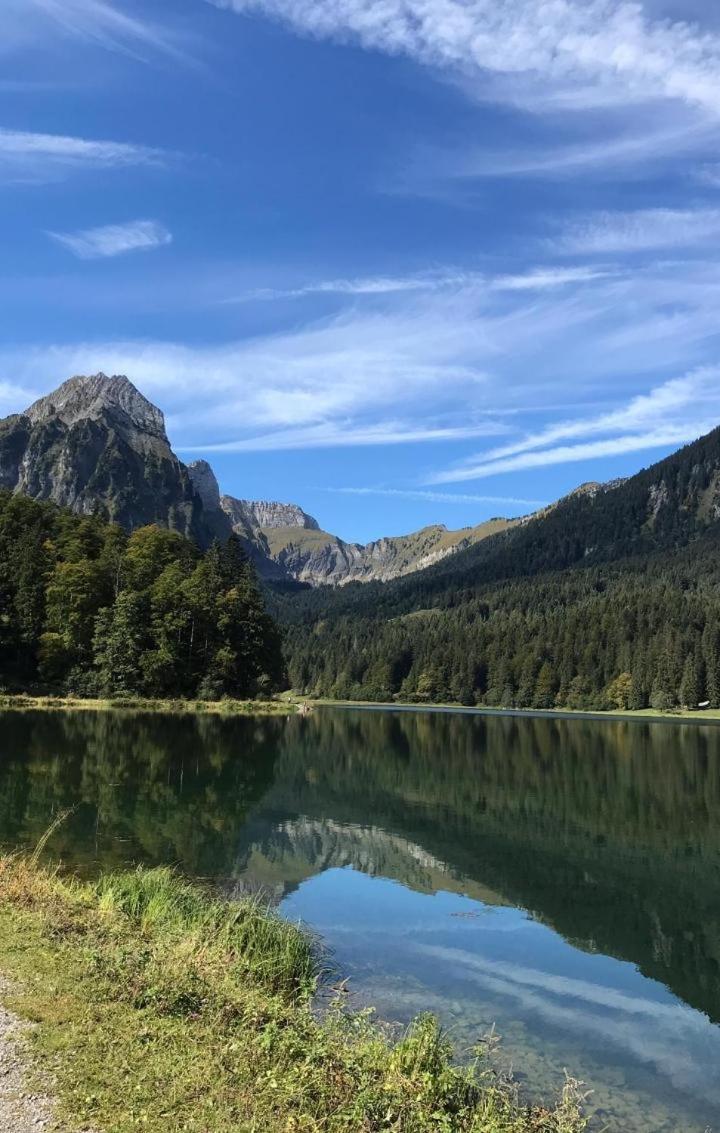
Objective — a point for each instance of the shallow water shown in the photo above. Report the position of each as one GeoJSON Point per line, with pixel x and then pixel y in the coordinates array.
{"type": "Point", "coordinates": [559, 879]}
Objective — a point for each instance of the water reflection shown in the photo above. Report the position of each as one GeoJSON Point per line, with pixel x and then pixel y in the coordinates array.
{"type": "Point", "coordinates": [561, 877]}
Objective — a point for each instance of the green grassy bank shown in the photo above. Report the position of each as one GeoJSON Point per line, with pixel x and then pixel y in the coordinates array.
{"type": "Point", "coordinates": [163, 1009]}
{"type": "Point", "coordinates": [225, 707]}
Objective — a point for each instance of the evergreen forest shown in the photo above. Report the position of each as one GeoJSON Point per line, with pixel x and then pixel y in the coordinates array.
{"type": "Point", "coordinates": [87, 609]}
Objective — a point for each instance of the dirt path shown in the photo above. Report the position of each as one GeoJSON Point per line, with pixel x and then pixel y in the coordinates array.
{"type": "Point", "coordinates": [22, 1109]}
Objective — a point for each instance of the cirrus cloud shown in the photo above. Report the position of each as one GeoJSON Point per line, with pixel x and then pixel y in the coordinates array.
{"type": "Point", "coordinates": [29, 156]}
{"type": "Point", "coordinates": [114, 239]}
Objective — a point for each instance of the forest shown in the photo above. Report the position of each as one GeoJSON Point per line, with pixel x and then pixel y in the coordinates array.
{"type": "Point", "coordinates": [644, 634]}
{"type": "Point", "coordinates": [608, 600]}
{"type": "Point", "coordinates": [87, 609]}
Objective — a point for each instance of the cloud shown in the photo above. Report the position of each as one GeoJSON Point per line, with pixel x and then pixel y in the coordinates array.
{"type": "Point", "coordinates": [536, 279]}
{"type": "Point", "coordinates": [569, 454]}
{"type": "Point", "coordinates": [634, 151]}
{"type": "Point", "coordinates": [438, 497]}
{"type": "Point", "coordinates": [364, 378]}
{"type": "Point", "coordinates": [340, 434]}
{"type": "Point", "coordinates": [542, 278]}
{"type": "Point", "coordinates": [14, 396]}
{"type": "Point", "coordinates": [98, 22]}
{"type": "Point", "coordinates": [42, 157]}
{"type": "Point", "coordinates": [604, 49]}
{"type": "Point", "coordinates": [673, 413]}
{"type": "Point", "coordinates": [444, 365]}
{"type": "Point", "coordinates": [372, 285]}
{"type": "Point", "coordinates": [114, 239]}
{"type": "Point", "coordinates": [642, 230]}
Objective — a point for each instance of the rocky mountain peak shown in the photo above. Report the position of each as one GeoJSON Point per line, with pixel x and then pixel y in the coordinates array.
{"type": "Point", "coordinates": [205, 484]}
{"type": "Point", "coordinates": [96, 396]}
{"type": "Point", "coordinates": [95, 444]}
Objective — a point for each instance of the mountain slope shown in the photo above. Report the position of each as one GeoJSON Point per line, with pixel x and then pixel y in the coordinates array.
{"type": "Point", "coordinates": [661, 508]}
{"type": "Point", "coordinates": [609, 598]}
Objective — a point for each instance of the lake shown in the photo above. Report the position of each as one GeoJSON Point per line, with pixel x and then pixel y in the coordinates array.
{"type": "Point", "coordinates": [558, 879]}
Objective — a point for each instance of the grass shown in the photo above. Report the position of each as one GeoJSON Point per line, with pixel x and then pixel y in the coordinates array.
{"type": "Point", "coordinates": [162, 1008]}
{"type": "Point", "coordinates": [23, 701]}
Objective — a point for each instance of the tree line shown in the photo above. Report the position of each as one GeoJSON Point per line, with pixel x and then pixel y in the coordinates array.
{"type": "Point", "coordinates": [609, 599]}
{"type": "Point", "coordinates": [643, 634]}
{"type": "Point", "coordinates": [86, 608]}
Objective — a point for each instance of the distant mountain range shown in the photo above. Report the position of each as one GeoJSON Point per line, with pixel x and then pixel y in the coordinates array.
{"type": "Point", "coordinates": [96, 444]}
{"type": "Point", "coordinates": [609, 597]}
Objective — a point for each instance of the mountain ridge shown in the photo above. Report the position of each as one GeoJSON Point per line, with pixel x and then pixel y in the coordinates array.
{"type": "Point", "coordinates": [97, 443]}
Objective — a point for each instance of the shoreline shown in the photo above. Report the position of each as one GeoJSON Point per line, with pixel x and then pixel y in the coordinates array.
{"type": "Point", "coordinates": [710, 717]}
{"type": "Point", "coordinates": [23, 702]}
{"type": "Point", "coordinates": [210, 1025]}
{"type": "Point", "coordinates": [293, 706]}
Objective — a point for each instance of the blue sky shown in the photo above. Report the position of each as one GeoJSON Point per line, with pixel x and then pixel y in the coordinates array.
{"type": "Point", "coordinates": [401, 261]}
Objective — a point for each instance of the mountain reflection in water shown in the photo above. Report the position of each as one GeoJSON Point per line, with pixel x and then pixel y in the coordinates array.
{"type": "Point", "coordinates": [559, 876]}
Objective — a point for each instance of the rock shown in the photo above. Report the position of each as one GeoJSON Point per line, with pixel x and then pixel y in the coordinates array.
{"type": "Point", "coordinates": [97, 445]}
{"type": "Point", "coordinates": [205, 484]}
{"type": "Point", "coordinates": [265, 513]}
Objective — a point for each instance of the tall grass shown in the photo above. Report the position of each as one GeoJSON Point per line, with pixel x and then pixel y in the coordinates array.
{"type": "Point", "coordinates": [244, 935]}
{"type": "Point", "coordinates": [166, 1009]}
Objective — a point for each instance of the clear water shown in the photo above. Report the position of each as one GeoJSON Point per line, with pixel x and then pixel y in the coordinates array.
{"type": "Point", "coordinates": [559, 879]}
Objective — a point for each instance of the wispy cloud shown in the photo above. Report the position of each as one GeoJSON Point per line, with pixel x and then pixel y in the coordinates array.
{"type": "Point", "coordinates": [342, 434]}
{"type": "Point", "coordinates": [114, 239]}
{"type": "Point", "coordinates": [439, 497]}
{"type": "Point", "coordinates": [541, 278]}
{"type": "Point", "coordinates": [648, 87]}
{"type": "Point", "coordinates": [642, 230]}
{"type": "Point", "coordinates": [93, 21]}
{"type": "Point", "coordinates": [361, 378]}
{"type": "Point", "coordinates": [41, 157]}
{"type": "Point", "coordinates": [371, 285]}
{"type": "Point", "coordinates": [446, 365]}
{"type": "Point", "coordinates": [535, 279]}
{"type": "Point", "coordinates": [673, 413]}
{"type": "Point", "coordinates": [570, 454]}
{"type": "Point", "coordinates": [595, 46]}
{"type": "Point", "coordinates": [631, 150]}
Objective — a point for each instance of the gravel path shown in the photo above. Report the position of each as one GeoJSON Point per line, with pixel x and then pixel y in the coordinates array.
{"type": "Point", "coordinates": [22, 1110]}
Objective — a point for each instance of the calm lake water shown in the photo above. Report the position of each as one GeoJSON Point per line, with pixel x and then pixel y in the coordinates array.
{"type": "Point", "coordinates": [559, 879]}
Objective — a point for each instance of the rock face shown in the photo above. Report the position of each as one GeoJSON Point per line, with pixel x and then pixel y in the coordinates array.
{"type": "Point", "coordinates": [265, 513]}
{"type": "Point", "coordinates": [295, 543]}
{"type": "Point", "coordinates": [96, 444]}
{"type": "Point", "coordinates": [205, 484]}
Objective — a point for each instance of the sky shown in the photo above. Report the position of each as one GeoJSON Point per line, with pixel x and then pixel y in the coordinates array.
{"type": "Point", "coordinates": [399, 261]}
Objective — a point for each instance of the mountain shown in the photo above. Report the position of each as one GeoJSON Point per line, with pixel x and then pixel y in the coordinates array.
{"type": "Point", "coordinates": [286, 542]}
{"type": "Point", "coordinates": [97, 445]}
{"type": "Point", "coordinates": [300, 549]}
{"type": "Point", "coordinates": [609, 598]}
{"type": "Point", "coordinates": [317, 557]}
